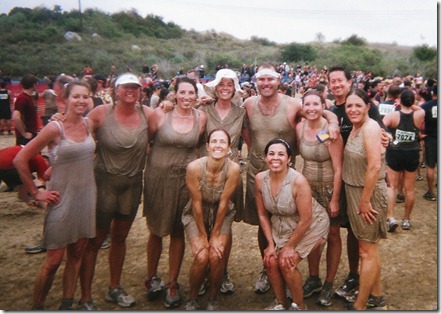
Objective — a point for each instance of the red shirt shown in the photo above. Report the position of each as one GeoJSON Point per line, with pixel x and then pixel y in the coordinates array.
{"type": "Point", "coordinates": [37, 163]}
{"type": "Point", "coordinates": [28, 110]}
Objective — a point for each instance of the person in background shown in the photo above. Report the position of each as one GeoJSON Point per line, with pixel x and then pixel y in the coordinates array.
{"type": "Point", "coordinates": [25, 111]}
{"type": "Point", "coordinates": [154, 98]}
{"type": "Point", "coordinates": [322, 164]}
{"type": "Point", "coordinates": [366, 197]}
{"type": "Point", "coordinates": [9, 174]}
{"type": "Point", "coordinates": [5, 109]}
{"type": "Point", "coordinates": [323, 90]}
{"type": "Point", "coordinates": [176, 136]}
{"type": "Point", "coordinates": [50, 102]}
{"type": "Point", "coordinates": [60, 82]}
{"type": "Point", "coordinates": [431, 142]}
{"type": "Point", "coordinates": [146, 94]}
{"type": "Point", "coordinates": [71, 200]}
{"type": "Point", "coordinates": [296, 226]}
{"type": "Point", "coordinates": [203, 98]}
{"type": "Point", "coordinates": [208, 216]}
{"type": "Point", "coordinates": [403, 155]}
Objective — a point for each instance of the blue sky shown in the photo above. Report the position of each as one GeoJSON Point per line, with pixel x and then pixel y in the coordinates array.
{"type": "Point", "coordinates": [404, 22]}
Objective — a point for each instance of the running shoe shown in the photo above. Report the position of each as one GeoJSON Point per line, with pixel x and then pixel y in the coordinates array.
{"type": "Point", "coordinates": [192, 305]}
{"type": "Point", "coordinates": [429, 196]}
{"type": "Point", "coordinates": [119, 296]}
{"type": "Point", "coordinates": [227, 287]}
{"type": "Point", "coordinates": [348, 287]}
{"type": "Point", "coordinates": [392, 224]}
{"type": "Point", "coordinates": [172, 296]}
{"type": "Point", "coordinates": [213, 305]}
{"type": "Point", "coordinates": [154, 287]}
{"type": "Point", "coordinates": [87, 306]}
{"type": "Point", "coordinates": [326, 294]}
{"type": "Point", "coordinates": [275, 306]}
{"type": "Point", "coordinates": [262, 284]}
{"type": "Point", "coordinates": [406, 224]}
{"type": "Point", "coordinates": [400, 198]}
{"type": "Point", "coordinates": [312, 285]}
{"type": "Point", "coordinates": [203, 288]}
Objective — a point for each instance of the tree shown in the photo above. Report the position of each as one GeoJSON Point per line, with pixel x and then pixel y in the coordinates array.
{"type": "Point", "coordinates": [295, 52]}
{"type": "Point", "coordinates": [355, 41]}
{"type": "Point", "coordinates": [424, 53]}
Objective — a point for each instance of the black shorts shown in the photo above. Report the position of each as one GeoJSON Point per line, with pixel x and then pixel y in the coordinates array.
{"type": "Point", "coordinates": [10, 177]}
{"type": "Point", "coordinates": [403, 160]}
{"type": "Point", "coordinates": [430, 145]}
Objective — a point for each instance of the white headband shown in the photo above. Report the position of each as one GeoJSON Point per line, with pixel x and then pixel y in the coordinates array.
{"type": "Point", "coordinates": [267, 72]}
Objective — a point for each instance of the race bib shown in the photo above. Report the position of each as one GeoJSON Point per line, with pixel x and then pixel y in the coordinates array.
{"type": "Point", "coordinates": [435, 112]}
{"type": "Point", "coordinates": [404, 136]}
{"type": "Point", "coordinates": [385, 109]}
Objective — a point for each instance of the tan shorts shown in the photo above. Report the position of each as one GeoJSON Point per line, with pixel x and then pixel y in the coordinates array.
{"type": "Point", "coordinates": [118, 197]}
{"type": "Point", "coordinates": [191, 229]}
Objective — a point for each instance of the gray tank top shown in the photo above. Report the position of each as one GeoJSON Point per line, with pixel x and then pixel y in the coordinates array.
{"type": "Point", "coordinates": [121, 150]}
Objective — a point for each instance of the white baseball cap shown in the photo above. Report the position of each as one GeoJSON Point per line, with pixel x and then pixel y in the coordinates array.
{"type": "Point", "coordinates": [127, 78]}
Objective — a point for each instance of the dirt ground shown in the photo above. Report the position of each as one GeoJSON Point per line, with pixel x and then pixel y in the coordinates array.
{"type": "Point", "coordinates": [409, 262]}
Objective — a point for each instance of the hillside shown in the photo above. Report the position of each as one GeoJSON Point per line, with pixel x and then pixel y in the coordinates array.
{"type": "Point", "coordinates": [34, 41]}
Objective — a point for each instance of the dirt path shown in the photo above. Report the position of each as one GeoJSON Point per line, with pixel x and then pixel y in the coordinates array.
{"type": "Point", "coordinates": [409, 270]}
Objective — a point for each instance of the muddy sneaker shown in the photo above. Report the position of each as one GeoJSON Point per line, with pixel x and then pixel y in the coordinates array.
{"type": "Point", "coordinates": [405, 224]}
{"type": "Point", "coordinates": [429, 196]}
{"type": "Point", "coordinates": [392, 224]}
{"type": "Point", "coordinates": [400, 198]}
{"type": "Point", "coordinates": [106, 243]}
{"type": "Point", "coordinates": [373, 302]}
{"type": "Point", "coordinates": [262, 284]}
{"type": "Point", "coordinates": [119, 296]}
{"type": "Point", "coordinates": [312, 285]}
{"type": "Point", "coordinates": [172, 296]}
{"type": "Point", "coordinates": [66, 305]}
{"type": "Point", "coordinates": [192, 305]}
{"type": "Point", "coordinates": [227, 287]}
{"type": "Point", "coordinates": [203, 288]}
{"type": "Point", "coordinates": [38, 247]}
{"type": "Point", "coordinates": [377, 302]}
{"type": "Point", "coordinates": [154, 287]}
{"type": "Point", "coordinates": [213, 305]}
{"type": "Point", "coordinates": [348, 287]}
{"type": "Point", "coordinates": [326, 294]}
{"type": "Point", "coordinates": [87, 306]}
{"type": "Point", "coordinates": [275, 306]}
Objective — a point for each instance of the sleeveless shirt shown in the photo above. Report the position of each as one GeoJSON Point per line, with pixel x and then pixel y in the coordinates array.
{"type": "Point", "coordinates": [165, 191]}
{"type": "Point", "coordinates": [355, 161]}
{"type": "Point", "coordinates": [405, 135]}
{"type": "Point", "coordinates": [121, 150]}
{"type": "Point", "coordinates": [285, 216]}
{"type": "Point", "coordinates": [74, 217]}
{"type": "Point", "coordinates": [317, 163]}
{"type": "Point", "coordinates": [264, 128]}
{"type": "Point", "coordinates": [210, 197]}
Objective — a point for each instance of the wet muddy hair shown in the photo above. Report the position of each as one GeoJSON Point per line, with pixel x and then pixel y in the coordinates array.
{"type": "Point", "coordinates": [222, 130]}
{"type": "Point", "coordinates": [279, 140]}
{"type": "Point", "coordinates": [185, 79]}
